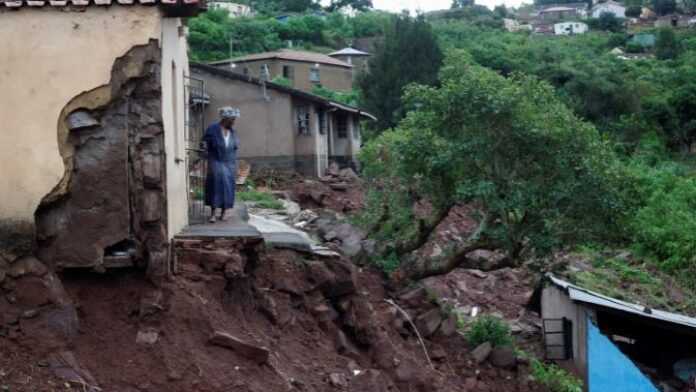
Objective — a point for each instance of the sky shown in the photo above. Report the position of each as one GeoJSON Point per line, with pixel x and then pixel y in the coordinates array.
{"type": "Point", "coordinates": [430, 5]}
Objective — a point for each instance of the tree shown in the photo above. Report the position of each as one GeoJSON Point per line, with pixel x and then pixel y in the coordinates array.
{"type": "Point", "coordinates": [666, 44]}
{"type": "Point", "coordinates": [409, 54]}
{"type": "Point", "coordinates": [500, 11]}
{"type": "Point", "coordinates": [664, 7]}
{"type": "Point", "coordinates": [531, 173]}
{"type": "Point", "coordinates": [607, 21]}
{"type": "Point", "coordinates": [209, 37]}
{"type": "Point", "coordinates": [634, 11]}
{"type": "Point", "coordinates": [357, 5]}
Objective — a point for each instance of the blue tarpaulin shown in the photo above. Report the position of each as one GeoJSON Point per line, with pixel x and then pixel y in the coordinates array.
{"type": "Point", "coordinates": [608, 369]}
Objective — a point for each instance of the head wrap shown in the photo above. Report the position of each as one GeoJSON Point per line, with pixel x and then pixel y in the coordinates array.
{"type": "Point", "coordinates": [229, 112]}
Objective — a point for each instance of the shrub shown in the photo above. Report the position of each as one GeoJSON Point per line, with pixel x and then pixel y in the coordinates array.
{"type": "Point", "coordinates": [260, 199]}
{"type": "Point", "coordinates": [554, 378]}
{"type": "Point", "coordinates": [489, 329]}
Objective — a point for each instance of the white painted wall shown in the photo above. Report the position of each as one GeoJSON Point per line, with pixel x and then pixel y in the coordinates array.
{"type": "Point", "coordinates": [174, 70]}
{"type": "Point", "coordinates": [570, 28]}
{"type": "Point", "coordinates": [48, 57]}
{"type": "Point", "coordinates": [617, 9]}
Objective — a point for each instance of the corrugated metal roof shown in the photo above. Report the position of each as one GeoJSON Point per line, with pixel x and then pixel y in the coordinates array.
{"type": "Point", "coordinates": [349, 52]}
{"type": "Point", "coordinates": [580, 294]}
{"type": "Point", "coordinates": [84, 3]}
{"type": "Point", "coordinates": [290, 55]}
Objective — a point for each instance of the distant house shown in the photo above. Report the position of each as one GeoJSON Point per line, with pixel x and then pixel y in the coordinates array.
{"type": "Point", "coordinates": [647, 14]}
{"type": "Point", "coordinates": [235, 10]}
{"type": "Point", "coordinates": [570, 28]}
{"type": "Point", "coordinates": [282, 127]}
{"type": "Point", "coordinates": [357, 58]}
{"type": "Point", "coordinates": [612, 344]}
{"type": "Point", "coordinates": [304, 70]}
{"type": "Point", "coordinates": [513, 25]}
{"type": "Point", "coordinates": [609, 7]}
{"type": "Point", "coordinates": [543, 28]}
{"type": "Point", "coordinates": [558, 12]}
{"type": "Point", "coordinates": [673, 20]}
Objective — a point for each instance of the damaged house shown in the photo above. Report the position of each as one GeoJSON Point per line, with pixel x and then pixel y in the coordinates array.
{"type": "Point", "coordinates": [93, 124]}
{"type": "Point", "coordinates": [616, 345]}
{"type": "Point", "coordinates": [282, 127]}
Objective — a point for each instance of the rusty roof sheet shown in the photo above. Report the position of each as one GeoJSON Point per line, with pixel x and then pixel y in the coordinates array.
{"type": "Point", "coordinates": [84, 3]}
{"type": "Point", "coordinates": [290, 55]}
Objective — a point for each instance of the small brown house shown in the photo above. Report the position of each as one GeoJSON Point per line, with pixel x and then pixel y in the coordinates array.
{"type": "Point", "coordinates": [305, 70]}
{"type": "Point", "coordinates": [282, 127]}
{"type": "Point", "coordinates": [357, 58]}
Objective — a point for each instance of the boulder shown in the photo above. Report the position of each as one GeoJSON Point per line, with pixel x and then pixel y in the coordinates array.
{"type": "Point", "coordinates": [66, 367]}
{"type": "Point", "coordinates": [344, 346]}
{"type": "Point", "coordinates": [151, 303]}
{"type": "Point", "coordinates": [255, 353]}
{"type": "Point", "coordinates": [339, 186]}
{"type": "Point", "coordinates": [449, 325]}
{"type": "Point", "coordinates": [503, 357]}
{"type": "Point", "coordinates": [27, 266]}
{"type": "Point", "coordinates": [482, 352]}
{"type": "Point", "coordinates": [428, 322]}
{"type": "Point", "coordinates": [414, 297]}
{"type": "Point", "coordinates": [31, 292]}
{"type": "Point", "coordinates": [147, 336]}
{"type": "Point", "coordinates": [338, 380]}
{"type": "Point", "coordinates": [348, 174]}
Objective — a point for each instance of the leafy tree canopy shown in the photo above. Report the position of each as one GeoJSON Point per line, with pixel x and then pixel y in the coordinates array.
{"type": "Point", "coordinates": [509, 148]}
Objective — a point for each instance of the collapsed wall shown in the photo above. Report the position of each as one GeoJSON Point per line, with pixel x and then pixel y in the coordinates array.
{"type": "Point", "coordinates": [110, 210]}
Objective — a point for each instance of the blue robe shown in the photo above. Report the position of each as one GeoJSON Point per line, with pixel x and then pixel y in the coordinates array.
{"type": "Point", "coordinates": [222, 170]}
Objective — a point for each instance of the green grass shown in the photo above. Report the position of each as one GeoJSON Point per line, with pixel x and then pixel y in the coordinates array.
{"type": "Point", "coordinates": [260, 199]}
{"type": "Point", "coordinates": [631, 280]}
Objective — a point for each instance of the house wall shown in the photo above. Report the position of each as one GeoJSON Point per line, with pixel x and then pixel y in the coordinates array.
{"type": "Point", "coordinates": [332, 77]}
{"type": "Point", "coordinates": [307, 146]}
{"type": "Point", "coordinates": [345, 150]}
{"type": "Point", "coordinates": [359, 63]}
{"type": "Point", "coordinates": [609, 369]}
{"type": "Point", "coordinates": [555, 304]}
{"type": "Point", "coordinates": [568, 28]}
{"type": "Point", "coordinates": [174, 107]}
{"type": "Point", "coordinates": [40, 76]}
{"type": "Point", "coordinates": [617, 10]}
{"type": "Point", "coordinates": [265, 128]}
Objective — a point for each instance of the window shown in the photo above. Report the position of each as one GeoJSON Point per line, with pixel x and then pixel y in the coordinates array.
{"type": "Point", "coordinates": [342, 126]}
{"type": "Point", "coordinates": [314, 75]}
{"type": "Point", "coordinates": [322, 122]}
{"type": "Point", "coordinates": [288, 72]}
{"type": "Point", "coordinates": [246, 71]}
{"type": "Point", "coordinates": [303, 120]}
{"type": "Point", "coordinates": [264, 72]}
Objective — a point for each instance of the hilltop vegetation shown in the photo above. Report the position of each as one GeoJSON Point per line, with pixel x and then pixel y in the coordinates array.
{"type": "Point", "coordinates": [556, 141]}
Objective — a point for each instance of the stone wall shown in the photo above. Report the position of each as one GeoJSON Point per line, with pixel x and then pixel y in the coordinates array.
{"type": "Point", "coordinates": [113, 207]}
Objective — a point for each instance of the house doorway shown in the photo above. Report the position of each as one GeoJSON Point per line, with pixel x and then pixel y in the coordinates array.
{"type": "Point", "coordinates": [196, 164]}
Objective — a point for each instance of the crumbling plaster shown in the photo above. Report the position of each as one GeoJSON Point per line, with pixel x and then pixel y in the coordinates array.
{"type": "Point", "coordinates": [48, 57]}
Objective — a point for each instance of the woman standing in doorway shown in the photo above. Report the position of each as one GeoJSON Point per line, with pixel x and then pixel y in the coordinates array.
{"type": "Point", "coordinates": [221, 144]}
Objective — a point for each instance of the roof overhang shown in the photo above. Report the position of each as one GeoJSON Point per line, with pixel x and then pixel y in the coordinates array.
{"type": "Point", "coordinates": [579, 294]}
